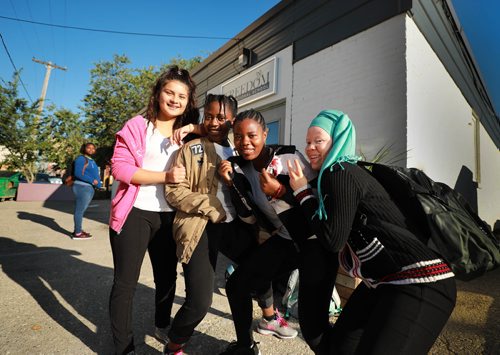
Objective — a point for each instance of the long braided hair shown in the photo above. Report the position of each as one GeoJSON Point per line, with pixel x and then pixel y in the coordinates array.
{"type": "Point", "coordinates": [225, 102]}
{"type": "Point", "coordinates": [253, 115]}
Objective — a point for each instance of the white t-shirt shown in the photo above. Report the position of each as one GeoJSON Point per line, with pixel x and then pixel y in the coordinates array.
{"type": "Point", "coordinates": [159, 156]}
{"type": "Point", "coordinates": [223, 190]}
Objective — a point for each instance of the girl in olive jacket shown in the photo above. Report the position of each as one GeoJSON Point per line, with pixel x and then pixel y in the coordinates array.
{"type": "Point", "coordinates": [206, 221]}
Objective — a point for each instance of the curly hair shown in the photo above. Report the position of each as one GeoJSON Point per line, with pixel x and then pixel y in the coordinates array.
{"type": "Point", "coordinates": [191, 113]}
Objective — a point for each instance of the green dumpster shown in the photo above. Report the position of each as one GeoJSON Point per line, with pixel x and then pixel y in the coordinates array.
{"type": "Point", "coordinates": [9, 181]}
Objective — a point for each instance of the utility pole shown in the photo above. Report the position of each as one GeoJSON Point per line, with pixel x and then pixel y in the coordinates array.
{"type": "Point", "coordinates": [49, 66]}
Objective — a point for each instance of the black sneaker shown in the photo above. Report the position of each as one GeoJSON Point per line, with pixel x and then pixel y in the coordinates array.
{"type": "Point", "coordinates": [236, 349]}
{"type": "Point", "coordinates": [161, 334]}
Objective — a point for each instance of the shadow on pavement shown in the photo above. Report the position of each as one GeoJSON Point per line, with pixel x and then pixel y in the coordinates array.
{"type": "Point", "coordinates": [98, 209]}
{"type": "Point", "coordinates": [486, 287]}
{"type": "Point", "coordinates": [475, 315]}
{"type": "Point", "coordinates": [45, 221]}
{"type": "Point", "coordinates": [72, 292]}
{"type": "Point", "coordinates": [75, 294]}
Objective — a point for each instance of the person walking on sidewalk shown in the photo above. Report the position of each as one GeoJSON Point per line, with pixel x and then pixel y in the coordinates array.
{"type": "Point", "coordinates": [141, 219]}
{"type": "Point", "coordinates": [86, 180]}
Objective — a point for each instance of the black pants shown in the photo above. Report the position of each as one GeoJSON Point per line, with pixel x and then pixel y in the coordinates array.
{"type": "Point", "coordinates": [317, 274]}
{"type": "Point", "coordinates": [393, 319]}
{"type": "Point", "coordinates": [235, 240]}
{"type": "Point", "coordinates": [143, 230]}
{"type": "Point", "coordinates": [272, 259]}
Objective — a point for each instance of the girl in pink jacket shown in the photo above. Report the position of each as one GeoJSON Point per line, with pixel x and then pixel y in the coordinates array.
{"type": "Point", "coordinates": [141, 219]}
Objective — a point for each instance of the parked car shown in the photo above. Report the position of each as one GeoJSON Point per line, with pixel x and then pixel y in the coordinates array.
{"type": "Point", "coordinates": [42, 178]}
{"type": "Point", "coordinates": [55, 180]}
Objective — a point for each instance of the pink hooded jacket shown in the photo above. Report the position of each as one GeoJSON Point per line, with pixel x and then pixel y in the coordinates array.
{"type": "Point", "coordinates": [127, 158]}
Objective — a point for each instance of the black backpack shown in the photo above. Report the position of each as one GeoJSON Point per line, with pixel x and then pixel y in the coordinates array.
{"type": "Point", "coordinates": [441, 218]}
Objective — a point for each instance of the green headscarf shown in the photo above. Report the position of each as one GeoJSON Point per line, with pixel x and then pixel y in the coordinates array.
{"type": "Point", "coordinates": [338, 125]}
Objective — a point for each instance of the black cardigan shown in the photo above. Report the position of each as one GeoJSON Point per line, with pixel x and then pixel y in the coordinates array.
{"type": "Point", "coordinates": [359, 212]}
{"type": "Point", "coordinates": [293, 219]}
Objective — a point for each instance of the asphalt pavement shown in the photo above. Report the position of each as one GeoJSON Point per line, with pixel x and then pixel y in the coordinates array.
{"type": "Point", "coordinates": [54, 294]}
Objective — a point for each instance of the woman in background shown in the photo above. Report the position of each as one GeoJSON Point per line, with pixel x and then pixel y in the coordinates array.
{"type": "Point", "coordinates": [86, 180]}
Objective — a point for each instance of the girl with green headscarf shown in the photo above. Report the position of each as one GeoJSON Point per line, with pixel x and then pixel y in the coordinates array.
{"type": "Point", "coordinates": [408, 291]}
{"type": "Point", "coordinates": [339, 127]}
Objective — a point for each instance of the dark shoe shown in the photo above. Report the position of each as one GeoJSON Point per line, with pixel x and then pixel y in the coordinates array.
{"type": "Point", "coordinates": [161, 334]}
{"type": "Point", "coordinates": [81, 236]}
{"type": "Point", "coordinates": [235, 349]}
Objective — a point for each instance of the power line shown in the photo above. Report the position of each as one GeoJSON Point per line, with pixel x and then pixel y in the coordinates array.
{"type": "Point", "coordinates": [115, 32]}
{"type": "Point", "coordinates": [52, 30]}
{"type": "Point", "coordinates": [25, 37]}
{"type": "Point", "coordinates": [36, 32]}
{"type": "Point", "coordinates": [17, 71]}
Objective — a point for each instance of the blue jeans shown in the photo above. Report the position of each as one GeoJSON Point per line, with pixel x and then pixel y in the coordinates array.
{"type": "Point", "coordinates": [83, 195]}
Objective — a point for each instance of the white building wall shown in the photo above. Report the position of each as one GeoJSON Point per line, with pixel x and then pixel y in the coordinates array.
{"type": "Point", "coordinates": [364, 76]}
{"type": "Point", "coordinates": [440, 134]}
{"type": "Point", "coordinates": [489, 186]}
{"type": "Point", "coordinates": [440, 127]}
{"type": "Point", "coordinates": [397, 92]}
{"type": "Point", "coordinates": [284, 80]}
{"type": "Point", "coordinates": [283, 89]}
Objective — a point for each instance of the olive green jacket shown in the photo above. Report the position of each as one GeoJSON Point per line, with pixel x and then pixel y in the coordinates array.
{"type": "Point", "coordinates": [195, 198]}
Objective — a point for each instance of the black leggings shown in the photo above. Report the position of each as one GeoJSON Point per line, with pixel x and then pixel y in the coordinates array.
{"type": "Point", "coordinates": [317, 274]}
{"type": "Point", "coordinates": [393, 319]}
{"type": "Point", "coordinates": [275, 257]}
{"type": "Point", "coordinates": [143, 230]}
{"type": "Point", "coordinates": [235, 240]}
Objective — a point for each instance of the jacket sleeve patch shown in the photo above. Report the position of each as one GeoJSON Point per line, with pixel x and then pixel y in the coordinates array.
{"type": "Point", "coordinates": [196, 149]}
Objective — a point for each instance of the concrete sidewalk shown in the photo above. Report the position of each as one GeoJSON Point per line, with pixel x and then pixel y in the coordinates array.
{"type": "Point", "coordinates": [54, 294]}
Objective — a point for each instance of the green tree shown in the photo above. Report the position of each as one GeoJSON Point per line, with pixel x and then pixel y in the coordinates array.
{"type": "Point", "coordinates": [19, 126]}
{"type": "Point", "coordinates": [188, 64]}
{"type": "Point", "coordinates": [61, 135]}
{"type": "Point", "coordinates": [116, 94]}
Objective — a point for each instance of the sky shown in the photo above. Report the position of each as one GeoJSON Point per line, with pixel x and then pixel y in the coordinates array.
{"type": "Point", "coordinates": [479, 19]}
{"type": "Point", "coordinates": [79, 51]}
